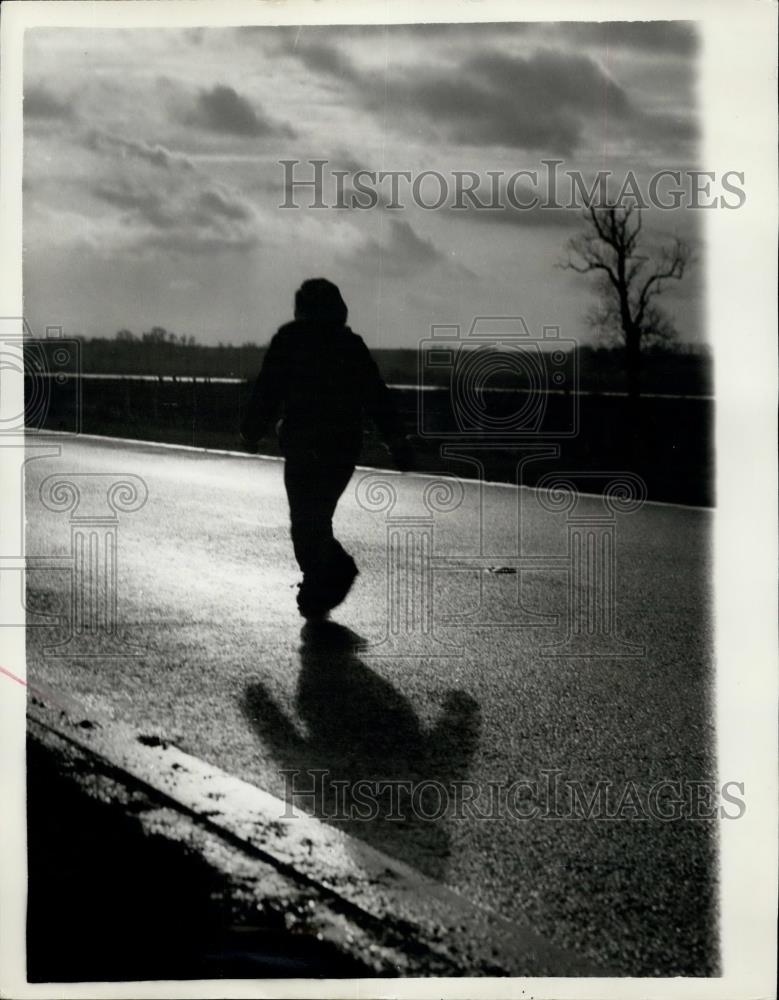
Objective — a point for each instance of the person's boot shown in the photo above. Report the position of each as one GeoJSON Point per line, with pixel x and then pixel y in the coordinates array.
{"type": "Point", "coordinates": [341, 577]}
{"type": "Point", "coordinates": [312, 604]}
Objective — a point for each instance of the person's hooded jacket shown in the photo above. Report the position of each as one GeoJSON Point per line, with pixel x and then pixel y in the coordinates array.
{"type": "Point", "coordinates": [321, 380]}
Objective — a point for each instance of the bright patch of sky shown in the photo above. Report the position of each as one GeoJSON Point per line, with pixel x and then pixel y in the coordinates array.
{"type": "Point", "coordinates": [152, 181]}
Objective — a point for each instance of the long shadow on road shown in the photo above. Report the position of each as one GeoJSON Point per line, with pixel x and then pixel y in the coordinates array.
{"type": "Point", "coordinates": [360, 729]}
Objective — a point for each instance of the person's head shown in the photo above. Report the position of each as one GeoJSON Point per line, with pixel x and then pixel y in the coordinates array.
{"type": "Point", "coordinates": [319, 301]}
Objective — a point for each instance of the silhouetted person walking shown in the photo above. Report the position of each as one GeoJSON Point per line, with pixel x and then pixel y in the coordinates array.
{"type": "Point", "coordinates": [321, 378]}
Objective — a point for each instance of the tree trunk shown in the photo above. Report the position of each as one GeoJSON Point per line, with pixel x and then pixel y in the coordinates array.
{"type": "Point", "coordinates": [633, 363]}
{"type": "Point", "coordinates": [633, 408]}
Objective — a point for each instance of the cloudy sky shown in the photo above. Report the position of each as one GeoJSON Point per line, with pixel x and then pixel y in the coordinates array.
{"type": "Point", "coordinates": [152, 178]}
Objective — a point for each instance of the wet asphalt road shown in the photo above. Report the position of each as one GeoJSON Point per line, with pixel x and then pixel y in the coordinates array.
{"type": "Point", "coordinates": [221, 667]}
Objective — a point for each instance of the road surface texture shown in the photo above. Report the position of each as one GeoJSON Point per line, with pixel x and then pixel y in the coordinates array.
{"type": "Point", "coordinates": [220, 666]}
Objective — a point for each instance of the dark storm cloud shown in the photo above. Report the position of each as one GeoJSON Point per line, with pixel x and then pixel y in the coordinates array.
{"type": "Point", "coordinates": [663, 128]}
{"type": "Point", "coordinates": [222, 109]}
{"type": "Point", "coordinates": [679, 38]}
{"type": "Point", "coordinates": [410, 249]}
{"type": "Point", "coordinates": [464, 32]}
{"type": "Point", "coordinates": [148, 205]}
{"type": "Point", "coordinates": [510, 215]}
{"type": "Point", "coordinates": [195, 36]}
{"type": "Point", "coordinates": [187, 221]}
{"type": "Point", "coordinates": [541, 102]}
{"type": "Point", "coordinates": [401, 251]}
{"type": "Point", "coordinates": [321, 57]}
{"type": "Point", "coordinates": [212, 201]}
{"type": "Point", "coordinates": [536, 102]}
{"type": "Point", "coordinates": [41, 103]}
{"type": "Point", "coordinates": [157, 155]}
{"type": "Point", "coordinates": [156, 207]}
{"type": "Point", "coordinates": [200, 243]}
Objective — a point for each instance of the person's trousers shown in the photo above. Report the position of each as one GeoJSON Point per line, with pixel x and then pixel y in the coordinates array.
{"type": "Point", "coordinates": [314, 485]}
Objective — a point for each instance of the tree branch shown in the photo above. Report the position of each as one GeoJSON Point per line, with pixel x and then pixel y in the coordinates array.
{"type": "Point", "coordinates": [673, 263]}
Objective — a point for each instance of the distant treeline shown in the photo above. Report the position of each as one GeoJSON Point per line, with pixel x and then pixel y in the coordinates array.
{"type": "Point", "coordinates": [676, 370]}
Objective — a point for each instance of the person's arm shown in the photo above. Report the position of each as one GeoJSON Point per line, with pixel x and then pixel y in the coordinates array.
{"type": "Point", "coordinates": [382, 410]}
{"type": "Point", "coordinates": [266, 396]}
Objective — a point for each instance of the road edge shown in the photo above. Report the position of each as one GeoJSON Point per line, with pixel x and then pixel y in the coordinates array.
{"type": "Point", "coordinates": [417, 926]}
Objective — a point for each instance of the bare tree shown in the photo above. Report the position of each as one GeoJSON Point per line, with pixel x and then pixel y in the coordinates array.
{"type": "Point", "coordinates": [630, 280]}
{"type": "Point", "coordinates": [157, 335]}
